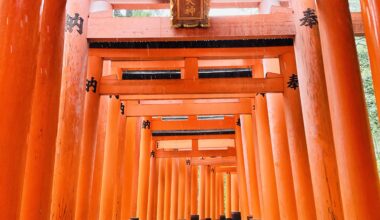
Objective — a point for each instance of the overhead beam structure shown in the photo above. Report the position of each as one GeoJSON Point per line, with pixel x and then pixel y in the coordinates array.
{"type": "Point", "coordinates": [183, 86]}
{"type": "Point", "coordinates": [192, 124]}
{"type": "Point", "coordinates": [123, 54]}
{"type": "Point", "coordinates": [134, 109]}
{"type": "Point", "coordinates": [217, 161]}
{"type": "Point", "coordinates": [164, 4]}
{"type": "Point", "coordinates": [260, 26]}
{"type": "Point", "coordinates": [196, 153]}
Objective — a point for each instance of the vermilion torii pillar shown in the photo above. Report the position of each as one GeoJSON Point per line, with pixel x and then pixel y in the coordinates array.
{"type": "Point", "coordinates": [270, 209]}
{"type": "Point", "coordinates": [202, 187]}
{"type": "Point", "coordinates": [181, 188]}
{"type": "Point", "coordinates": [371, 13]}
{"type": "Point", "coordinates": [207, 191]}
{"type": "Point", "coordinates": [168, 181]}
{"type": "Point", "coordinates": [188, 189]}
{"type": "Point", "coordinates": [96, 180]}
{"type": "Point", "coordinates": [228, 195]}
{"type": "Point", "coordinates": [174, 190]}
{"type": "Point", "coordinates": [161, 189]}
{"type": "Point", "coordinates": [88, 144]}
{"type": "Point", "coordinates": [129, 168]}
{"type": "Point", "coordinates": [153, 176]}
{"type": "Point", "coordinates": [250, 164]}
{"type": "Point", "coordinates": [316, 113]}
{"type": "Point", "coordinates": [241, 170]}
{"type": "Point", "coordinates": [71, 110]}
{"type": "Point", "coordinates": [19, 44]}
{"type": "Point", "coordinates": [37, 185]}
{"type": "Point", "coordinates": [110, 159]}
{"type": "Point", "coordinates": [358, 175]}
{"type": "Point", "coordinates": [194, 190]}
{"type": "Point", "coordinates": [143, 179]}
{"type": "Point", "coordinates": [281, 157]}
{"type": "Point", "coordinates": [234, 193]}
{"type": "Point", "coordinates": [212, 194]}
{"type": "Point", "coordinates": [297, 142]}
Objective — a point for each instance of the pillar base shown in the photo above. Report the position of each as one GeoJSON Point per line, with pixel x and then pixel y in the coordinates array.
{"type": "Point", "coordinates": [194, 217]}
{"type": "Point", "coordinates": [236, 216]}
{"type": "Point", "coordinates": [134, 218]}
{"type": "Point", "coordinates": [222, 217]}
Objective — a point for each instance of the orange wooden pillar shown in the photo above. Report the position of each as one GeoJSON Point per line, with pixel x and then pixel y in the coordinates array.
{"type": "Point", "coordinates": [181, 188]}
{"type": "Point", "coordinates": [207, 191]}
{"type": "Point", "coordinates": [174, 191]}
{"type": "Point", "coordinates": [194, 190]}
{"type": "Point", "coordinates": [221, 194]}
{"type": "Point", "coordinates": [297, 142]}
{"type": "Point", "coordinates": [129, 167]}
{"type": "Point", "coordinates": [241, 170]}
{"type": "Point", "coordinates": [316, 114]}
{"type": "Point", "coordinates": [161, 189]}
{"type": "Point", "coordinates": [270, 209]}
{"type": "Point", "coordinates": [281, 157]}
{"type": "Point", "coordinates": [143, 179]}
{"type": "Point", "coordinates": [71, 111]}
{"type": "Point", "coordinates": [110, 159]}
{"type": "Point", "coordinates": [117, 198]}
{"type": "Point", "coordinates": [153, 186]}
{"type": "Point", "coordinates": [168, 181]}
{"type": "Point", "coordinates": [19, 40]}
{"type": "Point", "coordinates": [371, 20]}
{"type": "Point", "coordinates": [188, 189]}
{"type": "Point", "coordinates": [217, 203]}
{"type": "Point", "coordinates": [250, 165]}
{"type": "Point", "coordinates": [202, 188]}
{"type": "Point", "coordinates": [88, 142]}
{"type": "Point", "coordinates": [96, 180]}
{"type": "Point", "coordinates": [234, 193]}
{"type": "Point", "coordinates": [228, 195]}
{"type": "Point", "coordinates": [44, 121]}
{"type": "Point", "coordinates": [212, 194]}
{"type": "Point", "coordinates": [136, 169]}
{"type": "Point", "coordinates": [358, 175]}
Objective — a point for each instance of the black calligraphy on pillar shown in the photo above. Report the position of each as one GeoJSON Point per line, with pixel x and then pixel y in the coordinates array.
{"type": "Point", "coordinates": [238, 123]}
{"type": "Point", "coordinates": [91, 83]}
{"type": "Point", "coordinates": [188, 162]}
{"type": "Point", "coordinates": [71, 22]}
{"type": "Point", "coordinates": [310, 18]}
{"type": "Point", "coordinates": [293, 82]}
{"type": "Point", "coordinates": [122, 108]}
{"type": "Point", "coordinates": [153, 154]}
{"type": "Point", "coordinates": [116, 96]}
{"type": "Point", "coordinates": [146, 124]}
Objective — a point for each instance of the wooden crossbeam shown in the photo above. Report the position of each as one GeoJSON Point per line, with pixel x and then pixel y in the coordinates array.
{"type": "Point", "coordinates": [278, 25]}
{"type": "Point", "coordinates": [181, 53]}
{"type": "Point", "coordinates": [159, 125]}
{"type": "Point", "coordinates": [164, 4]}
{"type": "Point", "coordinates": [196, 153]}
{"type": "Point", "coordinates": [225, 169]}
{"type": "Point", "coordinates": [183, 86]}
{"type": "Point", "coordinates": [178, 64]}
{"type": "Point", "coordinates": [193, 137]}
{"type": "Point", "coordinates": [133, 109]}
{"type": "Point", "coordinates": [218, 161]}
{"type": "Point", "coordinates": [186, 96]}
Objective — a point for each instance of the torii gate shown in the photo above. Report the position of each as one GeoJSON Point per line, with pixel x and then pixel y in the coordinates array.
{"type": "Point", "coordinates": [57, 151]}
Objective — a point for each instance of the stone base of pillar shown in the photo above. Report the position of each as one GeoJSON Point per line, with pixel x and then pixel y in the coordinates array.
{"type": "Point", "coordinates": [222, 217]}
{"type": "Point", "coordinates": [194, 217]}
{"type": "Point", "coordinates": [236, 216]}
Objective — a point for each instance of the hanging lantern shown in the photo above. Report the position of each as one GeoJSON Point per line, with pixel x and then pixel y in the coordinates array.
{"type": "Point", "coordinates": [190, 13]}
